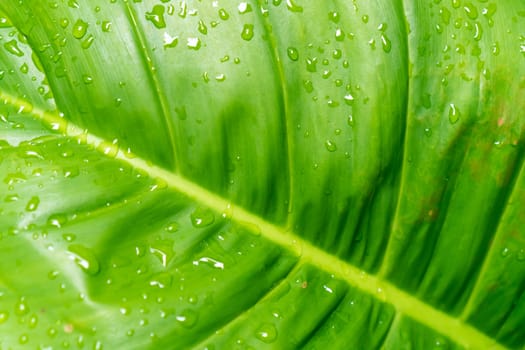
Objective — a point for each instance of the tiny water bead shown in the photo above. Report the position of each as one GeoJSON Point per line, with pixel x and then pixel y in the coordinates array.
{"type": "Point", "coordinates": [187, 318]}
{"type": "Point", "coordinates": [33, 203]}
{"type": "Point", "coordinates": [453, 114]}
{"type": "Point", "coordinates": [330, 146]}
{"type": "Point", "coordinates": [292, 53]}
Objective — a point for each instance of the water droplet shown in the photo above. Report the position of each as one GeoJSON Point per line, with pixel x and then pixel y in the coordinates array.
{"type": "Point", "coordinates": [12, 48]}
{"type": "Point", "coordinates": [33, 203]}
{"type": "Point", "coordinates": [85, 258]}
{"type": "Point", "coordinates": [330, 146]}
{"type": "Point", "coordinates": [187, 318]}
{"type": "Point", "coordinates": [292, 53]}
{"type": "Point", "coordinates": [106, 26]}
{"type": "Point", "coordinates": [80, 29]}
{"type": "Point", "coordinates": [210, 262]}
{"type": "Point", "coordinates": [4, 315]}
{"type": "Point", "coordinates": [386, 43]}
{"type": "Point", "coordinates": [339, 35]}
{"type": "Point", "coordinates": [495, 49]}
{"type": "Point", "coordinates": [86, 44]}
{"type": "Point", "coordinates": [156, 16]}
{"type": "Point", "coordinates": [349, 99]}
{"type": "Point", "coordinates": [202, 27]}
{"type": "Point", "coordinates": [292, 6]}
{"type": "Point", "coordinates": [521, 255]}
{"type": "Point", "coordinates": [365, 18]}
{"type": "Point", "coordinates": [266, 333]}
{"type": "Point", "coordinates": [337, 54]}
{"type": "Point", "coordinates": [194, 43]}
{"type": "Point", "coordinates": [247, 32]}
{"type": "Point", "coordinates": [311, 64]}
{"type": "Point", "coordinates": [23, 339]}
{"type": "Point", "coordinates": [308, 85]}
{"type": "Point", "coordinates": [172, 227]}
{"type": "Point", "coordinates": [170, 41]}
{"type": "Point", "coordinates": [453, 114]}
{"type": "Point", "coordinates": [202, 217]}
{"type": "Point", "coordinates": [223, 14]}
{"type": "Point", "coordinates": [21, 307]}
{"type": "Point", "coordinates": [471, 11]}
{"type": "Point", "coordinates": [244, 7]}
{"type": "Point", "coordinates": [69, 237]}
{"type": "Point", "coordinates": [183, 9]}
{"type": "Point", "coordinates": [505, 252]}
{"type": "Point", "coordinates": [334, 16]}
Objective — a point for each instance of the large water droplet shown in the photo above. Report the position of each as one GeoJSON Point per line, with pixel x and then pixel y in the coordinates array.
{"type": "Point", "coordinates": [202, 217]}
{"type": "Point", "coordinates": [12, 48]}
{"type": "Point", "coordinates": [187, 318]}
{"type": "Point", "coordinates": [247, 32]}
{"type": "Point", "coordinates": [194, 43]}
{"type": "Point", "coordinates": [85, 258]}
{"type": "Point", "coordinates": [80, 29]}
{"type": "Point", "coordinates": [267, 333]}
{"type": "Point", "coordinates": [156, 16]}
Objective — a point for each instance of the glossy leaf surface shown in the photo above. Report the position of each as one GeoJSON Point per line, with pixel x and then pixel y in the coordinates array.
{"type": "Point", "coordinates": [262, 174]}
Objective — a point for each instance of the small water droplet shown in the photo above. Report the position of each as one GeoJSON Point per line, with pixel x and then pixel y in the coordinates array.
{"type": "Point", "coordinates": [80, 29]}
{"type": "Point", "coordinates": [86, 44]}
{"type": "Point", "coordinates": [471, 11]}
{"type": "Point", "coordinates": [266, 333]}
{"type": "Point", "coordinates": [69, 237]}
{"type": "Point", "coordinates": [386, 43]}
{"type": "Point", "coordinates": [505, 252]}
{"type": "Point", "coordinates": [311, 64]}
{"type": "Point", "coordinates": [156, 16]}
{"type": "Point", "coordinates": [85, 258]}
{"type": "Point", "coordinates": [247, 32]}
{"type": "Point", "coordinates": [210, 262]}
{"type": "Point", "coordinates": [202, 27]}
{"type": "Point", "coordinates": [521, 255]}
{"type": "Point", "coordinates": [339, 34]}
{"type": "Point", "coordinates": [292, 53]}
{"type": "Point", "coordinates": [106, 26]}
{"type": "Point", "coordinates": [244, 7]}
{"type": "Point", "coordinates": [4, 316]}
{"type": "Point", "coordinates": [334, 16]}
{"type": "Point", "coordinates": [223, 14]}
{"type": "Point", "coordinates": [202, 217]}
{"type": "Point", "coordinates": [21, 307]}
{"type": "Point", "coordinates": [365, 18]}
{"type": "Point", "coordinates": [33, 203]}
{"type": "Point", "coordinates": [453, 114]}
{"type": "Point", "coordinates": [187, 318]}
{"type": "Point", "coordinates": [330, 146]}
{"type": "Point", "coordinates": [194, 43]}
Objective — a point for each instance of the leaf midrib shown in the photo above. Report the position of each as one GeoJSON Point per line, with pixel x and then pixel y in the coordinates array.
{"type": "Point", "coordinates": [382, 290]}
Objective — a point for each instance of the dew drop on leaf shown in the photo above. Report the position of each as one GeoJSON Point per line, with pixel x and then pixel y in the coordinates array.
{"type": "Point", "coordinates": [223, 14]}
{"type": "Point", "coordinates": [330, 146]}
{"type": "Point", "coordinates": [85, 258]}
{"type": "Point", "coordinates": [453, 114]}
{"type": "Point", "coordinates": [12, 48]}
{"type": "Point", "coordinates": [386, 43]}
{"type": "Point", "coordinates": [156, 16]}
{"type": "Point", "coordinates": [247, 32]}
{"type": "Point", "coordinates": [202, 27]}
{"type": "Point", "coordinates": [194, 43]}
{"type": "Point", "coordinates": [292, 6]}
{"type": "Point", "coordinates": [80, 29]}
{"type": "Point", "coordinates": [266, 333]}
{"type": "Point", "coordinates": [4, 316]}
{"type": "Point", "coordinates": [33, 203]}
{"type": "Point", "coordinates": [202, 217]}
{"type": "Point", "coordinates": [292, 53]}
{"type": "Point", "coordinates": [187, 318]}
{"type": "Point", "coordinates": [21, 307]}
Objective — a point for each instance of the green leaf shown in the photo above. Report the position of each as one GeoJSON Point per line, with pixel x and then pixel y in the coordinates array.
{"type": "Point", "coordinates": [262, 174]}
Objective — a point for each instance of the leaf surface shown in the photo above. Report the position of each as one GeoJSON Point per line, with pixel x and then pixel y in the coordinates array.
{"type": "Point", "coordinates": [182, 174]}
